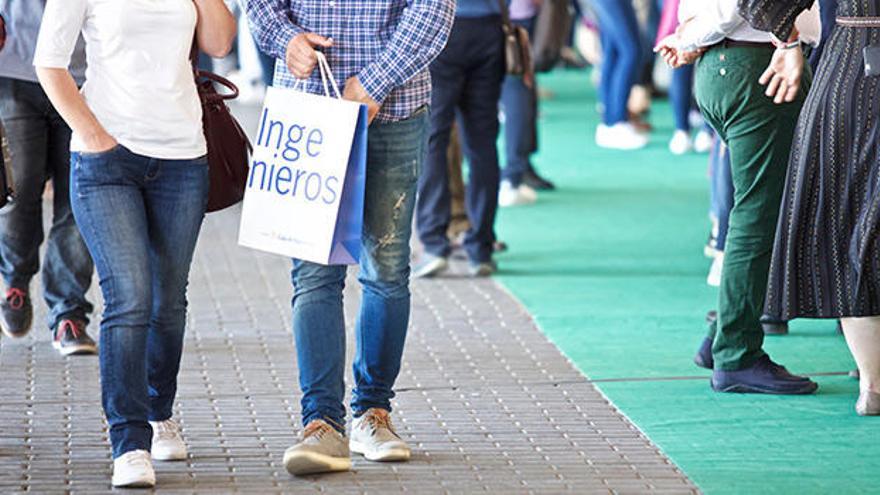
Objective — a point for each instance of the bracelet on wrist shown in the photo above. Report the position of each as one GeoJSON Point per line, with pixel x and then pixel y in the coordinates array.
{"type": "Point", "coordinates": [789, 46]}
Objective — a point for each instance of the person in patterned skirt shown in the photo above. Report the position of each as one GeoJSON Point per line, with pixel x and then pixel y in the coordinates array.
{"type": "Point", "coordinates": [826, 258]}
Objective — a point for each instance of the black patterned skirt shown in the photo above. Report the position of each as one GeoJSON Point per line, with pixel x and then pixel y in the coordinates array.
{"type": "Point", "coordinates": [826, 258]}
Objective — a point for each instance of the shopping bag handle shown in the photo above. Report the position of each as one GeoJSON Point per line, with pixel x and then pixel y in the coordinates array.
{"type": "Point", "coordinates": [326, 75]}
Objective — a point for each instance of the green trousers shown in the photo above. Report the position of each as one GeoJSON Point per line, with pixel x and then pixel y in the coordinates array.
{"type": "Point", "coordinates": [759, 135]}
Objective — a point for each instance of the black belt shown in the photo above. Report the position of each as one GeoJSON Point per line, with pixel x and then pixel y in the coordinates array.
{"type": "Point", "coordinates": [859, 22]}
{"type": "Point", "coordinates": [729, 43]}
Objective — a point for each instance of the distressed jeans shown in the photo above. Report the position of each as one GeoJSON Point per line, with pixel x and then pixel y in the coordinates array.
{"type": "Point", "coordinates": [395, 152]}
{"type": "Point", "coordinates": [140, 218]}
{"type": "Point", "coordinates": [39, 143]}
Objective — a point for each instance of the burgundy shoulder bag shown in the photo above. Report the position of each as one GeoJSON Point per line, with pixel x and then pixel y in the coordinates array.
{"type": "Point", "coordinates": [228, 145]}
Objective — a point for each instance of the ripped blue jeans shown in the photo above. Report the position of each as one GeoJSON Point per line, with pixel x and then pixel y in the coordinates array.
{"type": "Point", "coordinates": [395, 152]}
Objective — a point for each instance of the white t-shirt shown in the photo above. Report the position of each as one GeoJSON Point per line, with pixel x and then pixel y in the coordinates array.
{"type": "Point", "coordinates": [714, 20]}
{"type": "Point", "coordinates": [139, 82]}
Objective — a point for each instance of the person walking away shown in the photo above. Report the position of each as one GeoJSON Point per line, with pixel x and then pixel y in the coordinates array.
{"type": "Point", "coordinates": [39, 143]}
{"type": "Point", "coordinates": [381, 49]}
{"type": "Point", "coordinates": [826, 258]}
{"type": "Point", "coordinates": [758, 131]}
{"type": "Point", "coordinates": [519, 105]}
{"type": "Point", "coordinates": [466, 79]}
{"type": "Point", "coordinates": [621, 56]}
{"type": "Point", "coordinates": [139, 189]}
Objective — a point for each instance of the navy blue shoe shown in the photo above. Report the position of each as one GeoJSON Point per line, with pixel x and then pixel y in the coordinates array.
{"type": "Point", "coordinates": [704, 358]}
{"type": "Point", "coordinates": [763, 377]}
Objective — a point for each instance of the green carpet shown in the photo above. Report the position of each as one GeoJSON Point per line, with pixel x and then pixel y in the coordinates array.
{"type": "Point", "coordinates": [611, 266]}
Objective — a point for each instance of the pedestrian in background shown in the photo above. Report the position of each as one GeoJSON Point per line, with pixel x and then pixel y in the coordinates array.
{"type": "Point", "coordinates": [757, 125]}
{"type": "Point", "coordinates": [466, 80]}
{"type": "Point", "coordinates": [39, 145]}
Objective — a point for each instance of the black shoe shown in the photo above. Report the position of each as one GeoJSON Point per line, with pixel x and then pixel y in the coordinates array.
{"type": "Point", "coordinates": [774, 327]}
{"type": "Point", "coordinates": [536, 182]}
{"type": "Point", "coordinates": [71, 338]}
{"type": "Point", "coordinates": [763, 377]}
{"type": "Point", "coordinates": [704, 358]}
{"type": "Point", "coordinates": [16, 313]}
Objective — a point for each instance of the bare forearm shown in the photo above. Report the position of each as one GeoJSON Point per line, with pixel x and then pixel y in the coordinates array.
{"type": "Point", "coordinates": [65, 97]}
{"type": "Point", "coordinates": [216, 28]}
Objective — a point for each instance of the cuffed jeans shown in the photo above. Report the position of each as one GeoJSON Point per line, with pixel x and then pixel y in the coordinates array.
{"type": "Point", "coordinates": [759, 136]}
{"type": "Point", "coordinates": [466, 80]}
{"type": "Point", "coordinates": [140, 218]}
{"type": "Point", "coordinates": [395, 152]}
{"type": "Point", "coordinates": [39, 141]}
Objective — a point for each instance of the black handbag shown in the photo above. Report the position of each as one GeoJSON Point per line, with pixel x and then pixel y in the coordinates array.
{"type": "Point", "coordinates": [517, 49]}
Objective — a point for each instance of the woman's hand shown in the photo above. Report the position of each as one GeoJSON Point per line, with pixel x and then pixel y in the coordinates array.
{"type": "Point", "coordinates": [100, 142]}
{"type": "Point", "coordinates": [215, 30]}
{"type": "Point", "coordinates": [783, 75]}
{"type": "Point", "coordinates": [66, 98]}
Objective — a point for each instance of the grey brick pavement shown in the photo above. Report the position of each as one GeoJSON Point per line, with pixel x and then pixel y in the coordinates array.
{"type": "Point", "coordinates": [487, 402]}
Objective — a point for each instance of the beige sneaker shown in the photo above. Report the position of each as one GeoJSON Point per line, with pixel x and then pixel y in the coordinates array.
{"type": "Point", "coordinates": [373, 436]}
{"type": "Point", "coordinates": [322, 449]}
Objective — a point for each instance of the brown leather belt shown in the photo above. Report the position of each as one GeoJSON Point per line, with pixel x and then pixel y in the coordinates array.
{"type": "Point", "coordinates": [859, 22]}
{"type": "Point", "coordinates": [729, 43]}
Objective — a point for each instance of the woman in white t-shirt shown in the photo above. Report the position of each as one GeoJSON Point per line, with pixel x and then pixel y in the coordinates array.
{"type": "Point", "coordinates": [139, 185]}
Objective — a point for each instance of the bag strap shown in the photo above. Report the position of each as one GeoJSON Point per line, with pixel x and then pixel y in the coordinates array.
{"type": "Point", "coordinates": [505, 16]}
{"type": "Point", "coordinates": [326, 76]}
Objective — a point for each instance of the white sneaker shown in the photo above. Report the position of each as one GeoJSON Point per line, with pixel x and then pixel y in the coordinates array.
{"type": "Point", "coordinates": [134, 469]}
{"type": "Point", "coordinates": [714, 278]}
{"type": "Point", "coordinates": [681, 143]}
{"type": "Point", "coordinates": [168, 444]}
{"type": "Point", "coordinates": [515, 196]}
{"type": "Point", "coordinates": [373, 436]}
{"type": "Point", "coordinates": [703, 141]}
{"type": "Point", "coordinates": [620, 136]}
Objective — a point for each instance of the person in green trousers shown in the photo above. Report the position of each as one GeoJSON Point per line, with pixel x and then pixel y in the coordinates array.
{"type": "Point", "coordinates": [751, 93]}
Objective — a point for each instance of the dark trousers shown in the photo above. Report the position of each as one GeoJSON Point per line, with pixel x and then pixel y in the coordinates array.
{"type": "Point", "coordinates": [759, 136]}
{"type": "Point", "coordinates": [39, 145]}
{"type": "Point", "coordinates": [467, 79]}
{"type": "Point", "coordinates": [520, 106]}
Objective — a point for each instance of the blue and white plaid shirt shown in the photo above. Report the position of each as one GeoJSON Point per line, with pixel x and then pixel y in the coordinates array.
{"type": "Point", "coordinates": [387, 44]}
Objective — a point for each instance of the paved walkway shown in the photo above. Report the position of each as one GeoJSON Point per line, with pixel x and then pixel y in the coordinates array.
{"type": "Point", "coordinates": [487, 402]}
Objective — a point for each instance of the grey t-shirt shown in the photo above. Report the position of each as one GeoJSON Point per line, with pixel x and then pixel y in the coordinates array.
{"type": "Point", "coordinates": [22, 27]}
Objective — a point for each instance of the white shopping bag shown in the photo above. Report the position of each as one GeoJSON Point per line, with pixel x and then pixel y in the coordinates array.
{"type": "Point", "coordinates": [305, 191]}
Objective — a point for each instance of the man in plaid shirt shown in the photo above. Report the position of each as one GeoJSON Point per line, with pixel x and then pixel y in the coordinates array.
{"type": "Point", "coordinates": [382, 50]}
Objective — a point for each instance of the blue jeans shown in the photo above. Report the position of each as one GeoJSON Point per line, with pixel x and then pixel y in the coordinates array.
{"type": "Point", "coordinates": [721, 189]}
{"type": "Point", "coordinates": [681, 94]}
{"type": "Point", "coordinates": [467, 79]}
{"type": "Point", "coordinates": [39, 143]}
{"type": "Point", "coordinates": [140, 218]}
{"type": "Point", "coordinates": [520, 106]}
{"type": "Point", "coordinates": [395, 152]}
{"type": "Point", "coordinates": [621, 55]}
